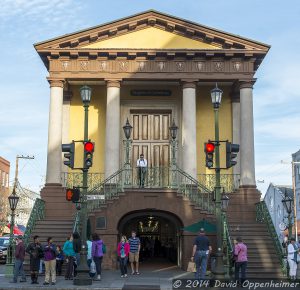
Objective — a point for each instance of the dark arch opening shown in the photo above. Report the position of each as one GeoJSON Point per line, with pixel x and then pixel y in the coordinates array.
{"type": "Point", "coordinates": [160, 235]}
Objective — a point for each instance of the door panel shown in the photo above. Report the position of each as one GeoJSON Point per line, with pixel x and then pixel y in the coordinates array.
{"type": "Point", "coordinates": [151, 137]}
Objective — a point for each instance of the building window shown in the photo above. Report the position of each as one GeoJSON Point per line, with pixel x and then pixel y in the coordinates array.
{"type": "Point", "coordinates": [7, 180]}
{"type": "Point", "coordinates": [101, 222]}
{"type": "Point", "coordinates": [279, 212]}
{"type": "Point", "coordinates": [3, 179]}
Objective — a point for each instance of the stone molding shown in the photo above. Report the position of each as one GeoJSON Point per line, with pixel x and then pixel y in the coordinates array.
{"type": "Point", "coordinates": [56, 82]}
{"type": "Point", "coordinates": [113, 83]}
{"type": "Point", "coordinates": [247, 84]}
{"type": "Point", "coordinates": [189, 84]}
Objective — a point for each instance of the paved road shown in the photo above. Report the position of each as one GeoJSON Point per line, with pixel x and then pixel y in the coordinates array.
{"type": "Point", "coordinates": [2, 269]}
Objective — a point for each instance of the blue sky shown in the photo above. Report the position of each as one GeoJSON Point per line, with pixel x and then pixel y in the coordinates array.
{"type": "Point", "coordinates": [24, 91]}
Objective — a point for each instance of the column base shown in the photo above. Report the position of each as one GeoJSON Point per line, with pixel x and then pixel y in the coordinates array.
{"type": "Point", "coordinates": [56, 205]}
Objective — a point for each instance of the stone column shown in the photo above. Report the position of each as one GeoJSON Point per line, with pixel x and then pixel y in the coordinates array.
{"type": "Point", "coordinates": [54, 155]}
{"type": "Point", "coordinates": [247, 135]}
{"type": "Point", "coordinates": [112, 133]}
{"type": "Point", "coordinates": [189, 152]}
{"type": "Point", "coordinates": [236, 120]}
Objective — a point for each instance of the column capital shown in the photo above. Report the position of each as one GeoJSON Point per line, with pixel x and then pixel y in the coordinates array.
{"type": "Point", "coordinates": [56, 82]}
{"type": "Point", "coordinates": [189, 83]}
{"type": "Point", "coordinates": [114, 83]}
{"type": "Point", "coordinates": [247, 84]}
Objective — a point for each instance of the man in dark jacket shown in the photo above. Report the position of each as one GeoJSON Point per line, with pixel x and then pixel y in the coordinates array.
{"type": "Point", "coordinates": [77, 249]}
{"type": "Point", "coordinates": [19, 260]}
{"type": "Point", "coordinates": [35, 251]}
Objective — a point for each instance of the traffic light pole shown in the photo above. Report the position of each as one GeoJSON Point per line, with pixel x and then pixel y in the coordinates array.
{"type": "Point", "coordinates": [83, 277]}
{"type": "Point", "coordinates": [219, 271]}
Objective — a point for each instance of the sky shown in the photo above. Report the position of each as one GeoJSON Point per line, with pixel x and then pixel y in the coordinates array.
{"type": "Point", "coordinates": [24, 91]}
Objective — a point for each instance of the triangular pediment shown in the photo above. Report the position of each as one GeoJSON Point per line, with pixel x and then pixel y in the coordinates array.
{"type": "Point", "coordinates": [151, 30]}
{"type": "Point", "coordinates": [150, 38]}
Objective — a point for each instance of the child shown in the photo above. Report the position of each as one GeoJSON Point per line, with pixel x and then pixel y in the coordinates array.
{"type": "Point", "coordinates": [59, 260]}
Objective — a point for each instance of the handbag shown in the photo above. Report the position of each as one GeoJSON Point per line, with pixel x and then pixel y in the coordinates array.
{"type": "Point", "coordinates": [191, 267]}
{"type": "Point", "coordinates": [93, 267]}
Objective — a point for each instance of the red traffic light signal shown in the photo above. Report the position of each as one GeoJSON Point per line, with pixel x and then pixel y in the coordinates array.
{"type": "Point", "coordinates": [209, 147]}
{"type": "Point", "coordinates": [72, 194]}
{"type": "Point", "coordinates": [89, 146]}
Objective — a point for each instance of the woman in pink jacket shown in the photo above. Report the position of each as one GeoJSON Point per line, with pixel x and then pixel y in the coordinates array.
{"type": "Point", "coordinates": [123, 252]}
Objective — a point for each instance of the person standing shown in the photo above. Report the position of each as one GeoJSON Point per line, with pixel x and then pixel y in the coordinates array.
{"type": "Point", "coordinates": [134, 251]}
{"type": "Point", "coordinates": [123, 252]}
{"type": "Point", "coordinates": [77, 249]}
{"type": "Point", "coordinates": [59, 260]}
{"type": "Point", "coordinates": [35, 251]}
{"type": "Point", "coordinates": [68, 250]}
{"type": "Point", "coordinates": [19, 260]}
{"type": "Point", "coordinates": [201, 250]}
{"type": "Point", "coordinates": [240, 252]}
{"type": "Point", "coordinates": [97, 254]}
{"type": "Point", "coordinates": [89, 256]}
{"type": "Point", "coordinates": [142, 169]}
{"type": "Point", "coordinates": [292, 250]}
{"type": "Point", "coordinates": [50, 262]}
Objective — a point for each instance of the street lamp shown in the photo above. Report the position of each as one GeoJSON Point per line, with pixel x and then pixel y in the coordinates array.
{"type": "Point", "coordinates": [173, 133]}
{"type": "Point", "coordinates": [13, 200]}
{"type": "Point", "coordinates": [219, 272]}
{"type": "Point", "coordinates": [127, 128]}
{"type": "Point", "coordinates": [288, 205]}
{"type": "Point", "coordinates": [83, 277]}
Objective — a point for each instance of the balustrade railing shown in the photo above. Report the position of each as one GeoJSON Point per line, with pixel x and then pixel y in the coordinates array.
{"type": "Point", "coordinates": [228, 247]}
{"type": "Point", "coordinates": [230, 182]}
{"type": "Point", "coordinates": [74, 179]}
{"type": "Point", "coordinates": [37, 213]}
{"type": "Point", "coordinates": [263, 216]}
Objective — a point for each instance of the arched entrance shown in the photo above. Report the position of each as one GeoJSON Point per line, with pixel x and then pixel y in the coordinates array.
{"type": "Point", "coordinates": [160, 235]}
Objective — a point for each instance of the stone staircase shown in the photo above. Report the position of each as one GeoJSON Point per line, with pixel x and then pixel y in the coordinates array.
{"type": "Point", "coordinates": [263, 261]}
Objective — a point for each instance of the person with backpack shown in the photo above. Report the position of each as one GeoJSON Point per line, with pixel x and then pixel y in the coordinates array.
{"type": "Point", "coordinates": [97, 254]}
{"type": "Point", "coordinates": [123, 252]}
{"type": "Point", "coordinates": [69, 252]}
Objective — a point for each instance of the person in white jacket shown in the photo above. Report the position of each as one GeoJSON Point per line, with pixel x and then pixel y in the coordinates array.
{"type": "Point", "coordinates": [293, 251]}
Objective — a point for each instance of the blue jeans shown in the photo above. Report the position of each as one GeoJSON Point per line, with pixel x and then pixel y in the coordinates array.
{"type": "Point", "coordinates": [201, 263]}
{"type": "Point", "coordinates": [19, 270]}
{"type": "Point", "coordinates": [243, 267]}
{"type": "Point", "coordinates": [123, 265]}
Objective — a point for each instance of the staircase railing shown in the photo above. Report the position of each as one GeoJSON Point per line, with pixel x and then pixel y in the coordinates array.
{"type": "Point", "coordinates": [230, 182]}
{"type": "Point", "coordinates": [228, 247]}
{"type": "Point", "coordinates": [37, 213]}
{"type": "Point", "coordinates": [155, 177]}
{"type": "Point", "coordinates": [263, 216]}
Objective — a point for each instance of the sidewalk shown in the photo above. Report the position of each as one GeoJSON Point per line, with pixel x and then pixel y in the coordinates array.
{"type": "Point", "coordinates": [111, 280]}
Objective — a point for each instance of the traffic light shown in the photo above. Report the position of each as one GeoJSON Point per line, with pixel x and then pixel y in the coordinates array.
{"type": "Point", "coordinates": [88, 154]}
{"type": "Point", "coordinates": [209, 149]}
{"type": "Point", "coordinates": [231, 153]}
{"type": "Point", "coordinates": [72, 194]}
{"type": "Point", "coordinates": [69, 155]}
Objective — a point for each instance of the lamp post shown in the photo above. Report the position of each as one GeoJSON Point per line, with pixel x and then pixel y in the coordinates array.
{"type": "Point", "coordinates": [173, 142]}
{"type": "Point", "coordinates": [13, 200]}
{"type": "Point", "coordinates": [288, 205]}
{"type": "Point", "coordinates": [83, 277]}
{"type": "Point", "coordinates": [127, 128]}
{"type": "Point", "coordinates": [219, 272]}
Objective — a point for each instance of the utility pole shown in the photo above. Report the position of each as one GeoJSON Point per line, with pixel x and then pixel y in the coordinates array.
{"type": "Point", "coordinates": [17, 168]}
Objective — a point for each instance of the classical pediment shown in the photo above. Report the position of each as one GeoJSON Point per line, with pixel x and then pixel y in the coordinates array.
{"type": "Point", "coordinates": [163, 32]}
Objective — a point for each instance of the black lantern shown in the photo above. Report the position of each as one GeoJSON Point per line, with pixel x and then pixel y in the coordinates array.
{"type": "Point", "coordinates": [85, 93]}
{"type": "Point", "coordinates": [287, 203]}
{"type": "Point", "coordinates": [216, 96]}
{"type": "Point", "coordinates": [13, 200]}
{"type": "Point", "coordinates": [127, 128]}
{"type": "Point", "coordinates": [173, 130]}
{"type": "Point", "coordinates": [224, 201]}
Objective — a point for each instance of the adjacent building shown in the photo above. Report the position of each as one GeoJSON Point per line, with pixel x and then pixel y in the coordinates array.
{"type": "Point", "coordinates": [273, 199]}
{"type": "Point", "coordinates": [4, 191]}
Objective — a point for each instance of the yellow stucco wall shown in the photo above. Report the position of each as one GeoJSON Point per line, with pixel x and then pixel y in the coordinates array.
{"type": "Point", "coordinates": [97, 117]}
{"type": "Point", "coordinates": [151, 38]}
{"type": "Point", "coordinates": [97, 111]}
{"type": "Point", "coordinates": [206, 129]}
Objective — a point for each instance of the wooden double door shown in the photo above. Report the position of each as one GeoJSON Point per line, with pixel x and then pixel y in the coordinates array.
{"type": "Point", "coordinates": [151, 136]}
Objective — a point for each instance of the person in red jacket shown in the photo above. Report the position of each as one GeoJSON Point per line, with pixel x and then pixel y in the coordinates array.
{"type": "Point", "coordinates": [123, 252]}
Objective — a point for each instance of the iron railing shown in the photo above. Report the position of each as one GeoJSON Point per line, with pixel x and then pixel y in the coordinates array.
{"type": "Point", "coordinates": [76, 222]}
{"type": "Point", "coordinates": [263, 216]}
{"type": "Point", "coordinates": [37, 213]}
{"type": "Point", "coordinates": [230, 182]}
{"type": "Point", "coordinates": [228, 247]}
{"type": "Point", "coordinates": [154, 177]}
{"type": "Point", "coordinates": [74, 179]}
